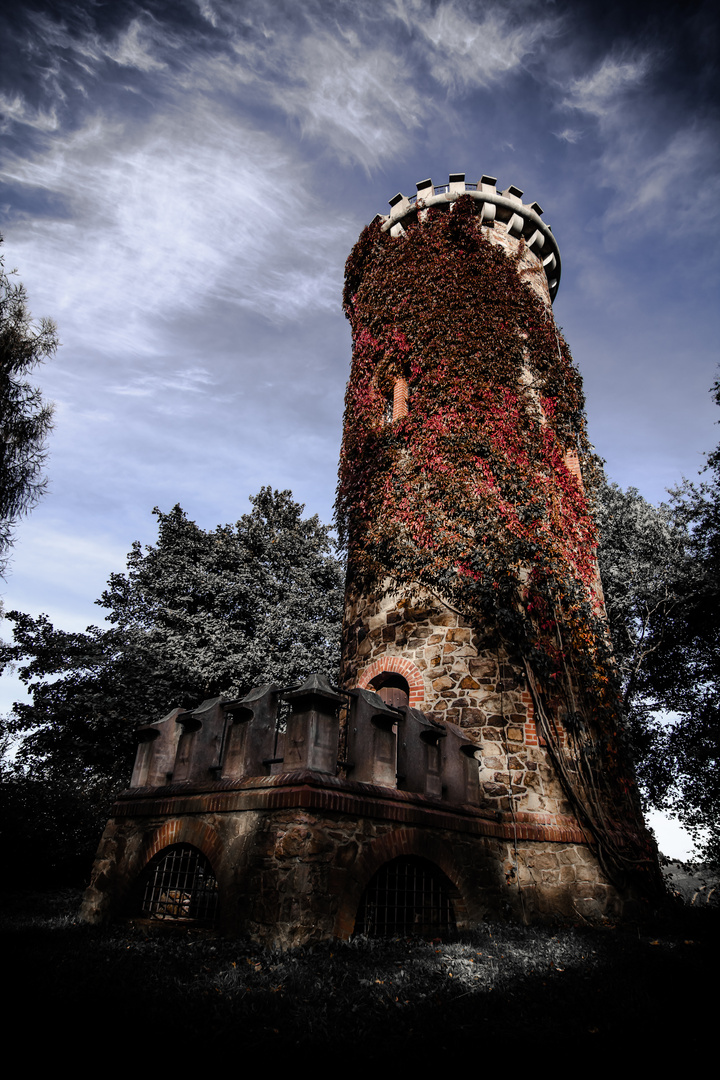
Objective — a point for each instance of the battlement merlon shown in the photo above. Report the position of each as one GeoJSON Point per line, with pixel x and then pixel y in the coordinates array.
{"type": "Point", "coordinates": [522, 221]}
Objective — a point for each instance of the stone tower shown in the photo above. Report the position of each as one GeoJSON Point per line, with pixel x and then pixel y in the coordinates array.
{"type": "Point", "coordinates": [469, 765]}
{"type": "Point", "coordinates": [473, 592]}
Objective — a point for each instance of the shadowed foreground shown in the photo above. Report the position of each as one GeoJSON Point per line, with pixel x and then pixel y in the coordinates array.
{"type": "Point", "coordinates": [582, 985]}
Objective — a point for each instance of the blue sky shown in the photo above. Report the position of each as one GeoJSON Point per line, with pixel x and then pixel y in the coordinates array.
{"type": "Point", "coordinates": [181, 183]}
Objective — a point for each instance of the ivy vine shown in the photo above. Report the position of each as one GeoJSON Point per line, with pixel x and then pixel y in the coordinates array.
{"type": "Point", "coordinates": [469, 495]}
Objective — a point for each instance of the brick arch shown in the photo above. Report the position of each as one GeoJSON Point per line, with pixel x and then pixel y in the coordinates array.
{"type": "Point", "coordinates": [171, 832]}
{"type": "Point", "coordinates": [383, 849]}
{"type": "Point", "coordinates": [183, 831]}
{"type": "Point", "coordinates": [400, 665]}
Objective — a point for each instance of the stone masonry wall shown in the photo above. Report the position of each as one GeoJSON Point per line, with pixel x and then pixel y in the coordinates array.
{"type": "Point", "coordinates": [290, 877]}
{"type": "Point", "coordinates": [465, 681]}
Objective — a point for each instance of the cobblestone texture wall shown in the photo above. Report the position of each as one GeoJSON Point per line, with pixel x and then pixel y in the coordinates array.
{"type": "Point", "coordinates": [288, 878]}
{"type": "Point", "coordinates": [465, 681]}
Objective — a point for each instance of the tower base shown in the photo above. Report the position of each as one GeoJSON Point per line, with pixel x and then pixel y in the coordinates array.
{"type": "Point", "coordinates": [293, 856]}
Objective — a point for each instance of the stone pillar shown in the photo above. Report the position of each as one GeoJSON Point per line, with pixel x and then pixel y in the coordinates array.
{"type": "Point", "coordinates": [252, 738]}
{"type": "Point", "coordinates": [199, 753]}
{"type": "Point", "coordinates": [313, 727]}
{"type": "Point", "coordinates": [156, 752]}
{"type": "Point", "coordinates": [372, 740]}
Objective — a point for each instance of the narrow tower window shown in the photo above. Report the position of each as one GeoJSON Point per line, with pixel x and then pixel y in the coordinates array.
{"type": "Point", "coordinates": [572, 464]}
{"type": "Point", "coordinates": [396, 403]}
{"type": "Point", "coordinates": [400, 399]}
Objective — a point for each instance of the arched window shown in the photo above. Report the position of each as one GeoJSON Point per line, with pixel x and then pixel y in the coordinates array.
{"type": "Point", "coordinates": [400, 398]}
{"type": "Point", "coordinates": [178, 884]}
{"type": "Point", "coordinates": [397, 403]}
{"type": "Point", "coordinates": [392, 688]}
{"type": "Point", "coordinates": [408, 895]}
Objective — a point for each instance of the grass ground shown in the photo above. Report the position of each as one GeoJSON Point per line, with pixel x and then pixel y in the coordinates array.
{"type": "Point", "coordinates": [503, 986]}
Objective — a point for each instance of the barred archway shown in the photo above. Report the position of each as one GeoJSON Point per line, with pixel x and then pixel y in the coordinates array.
{"type": "Point", "coordinates": [408, 895]}
{"type": "Point", "coordinates": [177, 885]}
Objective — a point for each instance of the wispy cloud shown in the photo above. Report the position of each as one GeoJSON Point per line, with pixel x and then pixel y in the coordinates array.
{"type": "Point", "coordinates": [134, 46]}
{"type": "Point", "coordinates": [601, 92]}
{"type": "Point", "coordinates": [189, 380]}
{"type": "Point", "coordinates": [361, 102]}
{"type": "Point", "coordinates": [680, 179]}
{"type": "Point", "coordinates": [643, 154]}
{"type": "Point", "coordinates": [466, 50]}
{"type": "Point", "coordinates": [355, 81]}
{"type": "Point", "coordinates": [208, 12]}
{"type": "Point", "coordinates": [167, 217]}
{"type": "Point", "coordinates": [16, 110]}
{"type": "Point", "coordinates": [569, 135]}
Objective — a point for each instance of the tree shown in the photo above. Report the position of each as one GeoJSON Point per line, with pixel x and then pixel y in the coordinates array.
{"type": "Point", "coordinates": [684, 671]}
{"type": "Point", "coordinates": [646, 566]}
{"type": "Point", "coordinates": [25, 419]}
{"type": "Point", "coordinates": [661, 573]}
{"type": "Point", "coordinates": [199, 614]}
{"type": "Point", "coordinates": [645, 563]}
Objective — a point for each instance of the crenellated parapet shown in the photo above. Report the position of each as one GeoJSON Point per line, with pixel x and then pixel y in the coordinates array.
{"type": "Point", "coordinates": [297, 814]}
{"type": "Point", "coordinates": [275, 731]}
{"type": "Point", "coordinates": [518, 220]}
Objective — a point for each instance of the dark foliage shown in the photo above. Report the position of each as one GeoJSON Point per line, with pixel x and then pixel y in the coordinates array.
{"type": "Point", "coordinates": [199, 614]}
{"type": "Point", "coordinates": [661, 572]}
{"type": "Point", "coordinates": [647, 567]}
{"type": "Point", "coordinates": [25, 419]}
{"type": "Point", "coordinates": [405, 1001]}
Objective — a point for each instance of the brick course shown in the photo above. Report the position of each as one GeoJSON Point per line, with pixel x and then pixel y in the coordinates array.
{"type": "Point", "coordinates": [293, 856]}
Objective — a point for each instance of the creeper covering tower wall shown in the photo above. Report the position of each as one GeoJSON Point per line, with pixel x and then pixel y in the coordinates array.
{"type": "Point", "coordinates": [465, 503]}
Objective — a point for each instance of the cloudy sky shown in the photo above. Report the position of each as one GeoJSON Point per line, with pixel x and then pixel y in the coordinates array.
{"type": "Point", "coordinates": [181, 183]}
